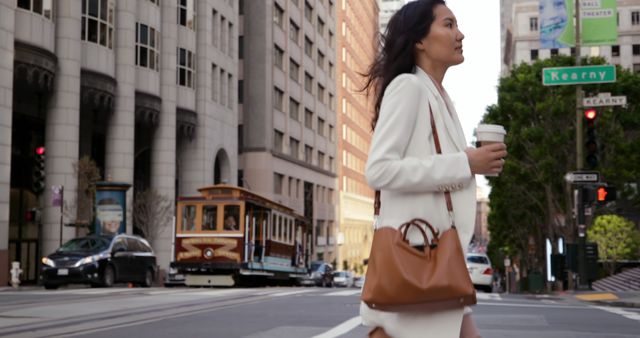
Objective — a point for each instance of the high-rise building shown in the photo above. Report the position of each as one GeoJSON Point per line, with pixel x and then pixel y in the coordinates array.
{"type": "Point", "coordinates": [147, 89]}
{"type": "Point", "coordinates": [521, 36]}
{"type": "Point", "coordinates": [287, 124]}
{"type": "Point", "coordinates": [357, 47]}
{"type": "Point", "coordinates": [387, 8]}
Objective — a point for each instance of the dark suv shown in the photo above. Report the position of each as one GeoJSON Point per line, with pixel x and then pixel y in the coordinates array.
{"type": "Point", "coordinates": [321, 274]}
{"type": "Point", "coordinates": [100, 261]}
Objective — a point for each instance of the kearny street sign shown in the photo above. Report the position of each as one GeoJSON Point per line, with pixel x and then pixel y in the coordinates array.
{"type": "Point", "coordinates": [559, 76]}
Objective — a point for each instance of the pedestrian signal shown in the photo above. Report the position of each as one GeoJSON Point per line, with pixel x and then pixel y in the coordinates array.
{"type": "Point", "coordinates": [606, 194]}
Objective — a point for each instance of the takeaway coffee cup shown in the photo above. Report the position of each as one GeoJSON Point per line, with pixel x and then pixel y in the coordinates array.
{"type": "Point", "coordinates": [489, 133]}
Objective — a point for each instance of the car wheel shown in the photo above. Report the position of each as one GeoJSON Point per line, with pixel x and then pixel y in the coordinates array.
{"type": "Point", "coordinates": [148, 278]}
{"type": "Point", "coordinates": [108, 276]}
{"type": "Point", "coordinates": [51, 286]}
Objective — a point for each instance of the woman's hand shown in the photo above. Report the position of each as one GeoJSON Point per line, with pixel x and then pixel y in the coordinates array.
{"type": "Point", "coordinates": [488, 159]}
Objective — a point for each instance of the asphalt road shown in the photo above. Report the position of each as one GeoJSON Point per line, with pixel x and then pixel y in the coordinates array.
{"type": "Point", "coordinates": [276, 312]}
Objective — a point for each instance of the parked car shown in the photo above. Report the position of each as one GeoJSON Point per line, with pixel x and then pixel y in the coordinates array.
{"type": "Point", "coordinates": [480, 270]}
{"type": "Point", "coordinates": [100, 261]}
{"type": "Point", "coordinates": [342, 278]}
{"type": "Point", "coordinates": [359, 282]}
{"type": "Point", "coordinates": [320, 274]}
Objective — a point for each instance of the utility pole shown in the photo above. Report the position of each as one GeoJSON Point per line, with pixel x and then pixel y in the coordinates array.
{"type": "Point", "coordinates": [580, 219]}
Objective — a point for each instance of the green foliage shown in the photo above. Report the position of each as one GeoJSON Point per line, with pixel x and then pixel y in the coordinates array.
{"type": "Point", "coordinates": [617, 239]}
{"type": "Point", "coordinates": [530, 201]}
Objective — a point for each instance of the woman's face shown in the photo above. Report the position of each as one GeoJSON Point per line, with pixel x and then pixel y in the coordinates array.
{"type": "Point", "coordinates": [553, 18]}
{"type": "Point", "coordinates": [443, 44]}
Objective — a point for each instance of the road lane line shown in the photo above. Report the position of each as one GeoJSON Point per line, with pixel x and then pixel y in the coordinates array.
{"type": "Point", "coordinates": [619, 311]}
{"type": "Point", "coordinates": [342, 328]}
{"type": "Point", "coordinates": [534, 305]}
{"type": "Point", "coordinates": [289, 293]}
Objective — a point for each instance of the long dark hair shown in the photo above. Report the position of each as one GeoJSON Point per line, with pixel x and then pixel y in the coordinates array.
{"type": "Point", "coordinates": [396, 53]}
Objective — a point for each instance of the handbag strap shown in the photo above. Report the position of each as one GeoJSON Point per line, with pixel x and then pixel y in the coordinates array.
{"type": "Point", "coordinates": [447, 194]}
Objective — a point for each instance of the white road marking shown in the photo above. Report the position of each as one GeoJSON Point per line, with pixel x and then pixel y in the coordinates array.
{"type": "Point", "coordinates": [343, 293]}
{"type": "Point", "coordinates": [342, 328]}
{"type": "Point", "coordinates": [488, 296]}
{"type": "Point", "coordinates": [289, 293]}
{"type": "Point", "coordinates": [619, 311]}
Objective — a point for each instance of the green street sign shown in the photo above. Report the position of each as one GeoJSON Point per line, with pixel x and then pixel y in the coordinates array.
{"type": "Point", "coordinates": [560, 76]}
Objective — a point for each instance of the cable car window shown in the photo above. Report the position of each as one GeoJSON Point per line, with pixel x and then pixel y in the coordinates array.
{"type": "Point", "coordinates": [231, 216]}
{"type": "Point", "coordinates": [189, 218]}
{"type": "Point", "coordinates": [209, 217]}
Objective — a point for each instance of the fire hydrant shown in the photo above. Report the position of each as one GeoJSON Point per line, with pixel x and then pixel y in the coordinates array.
{"type": "Point", "coordinates": [15, 274]}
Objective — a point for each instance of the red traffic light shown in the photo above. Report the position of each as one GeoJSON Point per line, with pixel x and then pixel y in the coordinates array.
{"type": "Point", "coordinates": [591, 113]}
{"type": "Point", "coordinates": [40, 150]}
{"type": "Point", "coordinates": [602, 194]}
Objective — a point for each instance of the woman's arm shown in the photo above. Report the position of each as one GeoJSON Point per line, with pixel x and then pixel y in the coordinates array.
{"type": "Point", "coordinates": [387, 168]}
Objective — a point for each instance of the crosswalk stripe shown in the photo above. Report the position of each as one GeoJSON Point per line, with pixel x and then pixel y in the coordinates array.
{"type": "Point", "coordinates": [619, 311]}
{"type": "Point", "coordinates": [343, 293]}
{"type": "Point", "coordinates": [488, 296]}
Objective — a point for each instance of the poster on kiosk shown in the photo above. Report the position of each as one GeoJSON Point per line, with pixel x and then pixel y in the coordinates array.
{"type": "Point", "coordinates": [111, 207]}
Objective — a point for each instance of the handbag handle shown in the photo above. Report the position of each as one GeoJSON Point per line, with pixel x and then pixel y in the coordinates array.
{"type": "Point", "coordinates": [447, 194]}
{"type": "Point", "coordinates": [404, 229]}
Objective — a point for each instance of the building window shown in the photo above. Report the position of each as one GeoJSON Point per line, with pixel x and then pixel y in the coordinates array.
{"type": "Point", "coordinates": [147, 49]}
{"type": "Point", "coordinates": [320, 93]}
{"type": "Point", "coordinates": [186, 68]}
{"type": "Point", "coordinates": [42, 7]}
{"type": "Point", "coordinates": [278, 56]}
{"type": "Point", "coordinates": [308, 154]}
{"type": "Point", "coordinates": [533, 24]}
{"type": "Point", "coordinates": [615, 50]}
{"type": "Point", "coordinates": [230, 82]}
{"type": "Point", "coordinates": [308, 47]}
{"type": "Point", "coordinates": [534, 54]}
{"type": "Point", "coordinates": [186, 13]}
{"type": "Point", "coordinates": [214, 83]}
{"type": "Point", "coordinates": [230, 40]}
{"type": "Point", "coordinates": [332, 102]}
{"type": "Point", "coordinates": [332, 134]}
{"type": "Point", "coordinates": [332, 169]}
{"type": "Point", "coordinates": [636, 68]}
{"type": "Point", "coordinates": [240, 91]}
{"type": "Point", "coordinates": [278, 96]}
{"type": "Point", "coordinates": [321, 159]}
{"type": "Point", "coordinates": [278, 140]}
{"type": "Point", "coordinates": [636, 49]}
{"type": "Point", "coordinates": [294, 32]}
{"type": "Point", "coordinates": [293, 147]}
{"type": "Point", "coordinates": [331, 40]}
{"type": "Point", "coordinates": [635, 18]}
{"type": "Point", "coordinates": [215, 30]}
{"type": "Point", "coordinates": [308, 82]}
{"type": "Point", "coordinates": [277, 183]}
{"type": "Point", "coordinates": [97, 22]}
{"type": "Point", "coordinates": [240, 47]}
{"type": "Point", "coordinates": [308, 118]}
{"type": "Point", "coordinates": [320, 126]}
{"type": "Point", "coordinates": [331, 7]}
{"type": "Point", "coordinates": [554, 51]}
{"type": "Point", "coordinates": [278, 16]}
{"type": "Point", "coordinates": [573, 51]}
{"type": "Point", "coordinates": [332, 71]}
{"type": "Point", "coordinates": [320, 27]}
{"type": "Point", "coordinates": [294, 109]}
{"type": "Point", "coordinates": [294, 71]}
{"type": "Point", "coordinates": [320, 60]}
{"type": "Point", "coordinates": [308, 11]}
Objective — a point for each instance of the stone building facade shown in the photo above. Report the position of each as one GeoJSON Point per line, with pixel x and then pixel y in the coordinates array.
{"type": "Point", "coordinates": [147, 89]}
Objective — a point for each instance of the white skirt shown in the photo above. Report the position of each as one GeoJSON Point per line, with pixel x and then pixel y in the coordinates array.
{"type": "Point", "coordinates": [440, 324]}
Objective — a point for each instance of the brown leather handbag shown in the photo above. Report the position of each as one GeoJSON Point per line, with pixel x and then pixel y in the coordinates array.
{"type": "Point", "coordinates": [402, 278]}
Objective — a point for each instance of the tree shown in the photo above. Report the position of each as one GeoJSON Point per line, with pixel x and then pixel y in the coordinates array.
{"type": "Point", "coordinates": [617, 239]}
{"type": "Point", "coordinates": [151, 210]}
{"type": "Point", "coordinates": [88, 174]}
{"type": "Point", "coordinates": [530, 201]}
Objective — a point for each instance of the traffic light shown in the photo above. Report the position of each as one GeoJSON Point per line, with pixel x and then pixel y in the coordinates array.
{"type": "Point", "coordinates": [605, 194]}
{"type": "Point", "coordinates": [591, 144]}
{"type": "Point", "coordinates": [38, 172]}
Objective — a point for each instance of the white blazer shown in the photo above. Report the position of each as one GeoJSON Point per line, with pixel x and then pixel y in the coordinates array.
{"type": "Point", "coordinates": [411, 177]}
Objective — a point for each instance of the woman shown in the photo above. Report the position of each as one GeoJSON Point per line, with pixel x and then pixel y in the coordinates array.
{"type": "Point", "coordinates": [421, 42]}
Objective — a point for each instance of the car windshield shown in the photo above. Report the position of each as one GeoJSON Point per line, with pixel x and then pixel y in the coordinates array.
{"type": "Point", "coordinates": [478, 259]}
{"type": "Point", "coordinates": [340, 274]}
{"type": "Point", "coordinates": [315, 266]}
{"type": "Point", "coordinates": [88, 244]}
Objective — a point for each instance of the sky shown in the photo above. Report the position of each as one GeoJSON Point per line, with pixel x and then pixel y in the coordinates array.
{"type": "Point", "coordinates": [473, 85]}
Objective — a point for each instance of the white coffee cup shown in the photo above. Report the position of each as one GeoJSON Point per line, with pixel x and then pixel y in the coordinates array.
{"type": "Point", "coordinates": [490, 133]}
